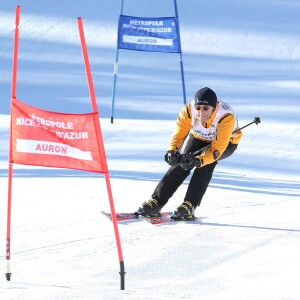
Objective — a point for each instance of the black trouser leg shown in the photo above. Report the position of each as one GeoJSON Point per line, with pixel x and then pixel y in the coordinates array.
{"type": "Point", "coordinates": [199, 183]}
{"type": "Point", "coordinates": [175, 175]}
{"type": "Point", "coordinates": [201, 178]}
{"type": "Point", "coordinates": [169, 184]}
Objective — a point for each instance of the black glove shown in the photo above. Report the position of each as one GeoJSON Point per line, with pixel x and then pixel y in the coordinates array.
{"type": "Point", "coordinates": [188, 161]}
{"type": "Point", "coordinates": [172, 157]}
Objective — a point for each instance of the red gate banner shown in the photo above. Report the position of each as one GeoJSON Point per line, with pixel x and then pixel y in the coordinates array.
{"type": "Point", "coordinates": [51, 139]}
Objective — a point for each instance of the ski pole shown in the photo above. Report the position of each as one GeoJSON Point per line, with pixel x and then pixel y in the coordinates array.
{"type": "Point", "coordinates": [200, 151]}
{"type": "Point", "coordinates": [256, 121]}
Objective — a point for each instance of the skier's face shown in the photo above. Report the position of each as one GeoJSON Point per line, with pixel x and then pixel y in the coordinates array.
{"type": "Point", "coordinates": [204, 112]}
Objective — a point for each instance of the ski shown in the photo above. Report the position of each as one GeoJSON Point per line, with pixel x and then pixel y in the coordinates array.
{"type": "Point", "coordinates": [162, 220]}
{"type": "Point", "coordinates": [130, 216]}
{"type": "Point", "coordinates": [121, 216]}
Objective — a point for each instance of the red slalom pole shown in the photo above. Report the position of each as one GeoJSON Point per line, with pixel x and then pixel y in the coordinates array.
{"type": "Point", "coordinates": [102, 151]}
{"type": "Point", "coordinates": [10, 167]}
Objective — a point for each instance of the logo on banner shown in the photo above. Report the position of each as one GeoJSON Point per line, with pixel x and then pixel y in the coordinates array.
{"type": "Point", "coordinates": [43, 138]}
{"type": "Point", "coordinates": [148, 34]}
{"type": "Point", "coordinates": [42, 147]}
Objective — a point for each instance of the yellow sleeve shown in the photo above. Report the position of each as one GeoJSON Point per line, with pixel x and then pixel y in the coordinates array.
{"type": "Point", "coordinates": [183, 126]}
{"type": "Point", "coordinates": [220, 141]}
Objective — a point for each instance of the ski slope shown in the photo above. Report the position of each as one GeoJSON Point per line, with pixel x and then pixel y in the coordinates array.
{"type": "Point", "coordinates": [246, 244]}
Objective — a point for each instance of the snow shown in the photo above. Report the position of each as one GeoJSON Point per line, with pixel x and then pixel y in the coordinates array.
{"type": "Point", "coordinates": [246, 242]}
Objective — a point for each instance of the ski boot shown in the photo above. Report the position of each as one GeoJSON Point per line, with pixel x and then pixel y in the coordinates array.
{"type": "Point", "coordinates": [150, 208]}
{"type": "Point", "coordinates": [185, 211]}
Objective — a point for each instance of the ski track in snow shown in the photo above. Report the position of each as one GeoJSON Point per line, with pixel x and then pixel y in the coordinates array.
{"type": "Point", "coordinates": [64, 257]}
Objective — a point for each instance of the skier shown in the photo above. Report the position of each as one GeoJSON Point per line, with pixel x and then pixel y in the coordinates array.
{"type": "Point", "coordinates": [212, 128]}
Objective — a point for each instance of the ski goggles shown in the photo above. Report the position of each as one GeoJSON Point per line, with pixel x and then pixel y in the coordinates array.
{"type": "Point", "coordinates": [202, 107]}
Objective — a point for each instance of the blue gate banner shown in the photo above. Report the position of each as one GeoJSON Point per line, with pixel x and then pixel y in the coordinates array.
{"type": "Point", "coordinates": [148, 34]}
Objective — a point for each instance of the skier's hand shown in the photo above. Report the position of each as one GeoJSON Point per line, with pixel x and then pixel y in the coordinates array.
{"type": "Point", "coordinates": [172, 157]}
{"type": "Point", "coordinates": [188, 161]}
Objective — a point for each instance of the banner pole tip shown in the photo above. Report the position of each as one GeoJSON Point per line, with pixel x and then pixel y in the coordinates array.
{"type": "Point", "coordinates": [122, 274]}
{"type": "Point", "coordinates": [8, 275]}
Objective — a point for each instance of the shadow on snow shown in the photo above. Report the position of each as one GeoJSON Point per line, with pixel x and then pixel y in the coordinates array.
{"type": "Point", "coordinates": [220, 180]}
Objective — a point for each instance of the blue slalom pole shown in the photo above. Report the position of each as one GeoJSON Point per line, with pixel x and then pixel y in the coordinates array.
{"type": "Point", "coordinates": [115, 76]}
{"type": "Point", "coordinates": [180, 53]}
